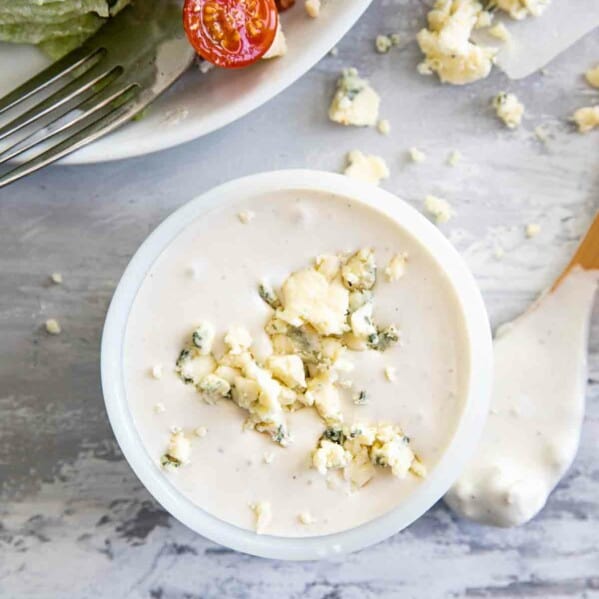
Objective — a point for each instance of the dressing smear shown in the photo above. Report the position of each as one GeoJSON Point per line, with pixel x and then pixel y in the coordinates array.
{"type": "Point", "coordinates": [537, 408]}
{"type": "Point", "coordinates": [211, 272]}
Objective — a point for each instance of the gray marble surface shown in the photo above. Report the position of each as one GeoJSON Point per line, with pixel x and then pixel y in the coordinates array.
{"type": "Point", "coordinates": [75, 521]}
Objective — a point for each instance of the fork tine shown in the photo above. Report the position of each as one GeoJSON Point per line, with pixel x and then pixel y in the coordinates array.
{"type": "Point", "coordinates": [105, 123]}
{"type": "Point", "coordinates": [90, 106]}
{"type": "Point", "coordinates": [80, 58]}
{"type": "Point", "coordinates": [60, 102]}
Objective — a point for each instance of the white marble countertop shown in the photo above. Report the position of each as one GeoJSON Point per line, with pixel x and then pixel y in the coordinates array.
{"type": "Point", "coordinates": [75, 521]}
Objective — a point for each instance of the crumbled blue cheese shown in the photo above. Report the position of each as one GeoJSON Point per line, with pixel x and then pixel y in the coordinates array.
{"type": "Point", "coordinates": [454, 158]}
{"type": "Point", "coordinates": [192, 367]}
{"type": "Point", "coordinates": [368, 168]}
{"type": "Point", "coordinates": [484, 19]}
{"type": "Point", "coordinates": [203, 338]}
{"type": "Point", "coordinates": [361, 322]}
{"type": "Point", "coordinates": [355, 102]}
{"type": "Point", "coordinates": [263, 514]}
{"type": "Point", "coordinates": [200, 431]}
{"type": "Point", "coordinates": [228, 373]}
{"type": "Point", "coordinates": [246, 216]}
{"type": "Point", "coordinates": [416, 155]}
{"type": "Point", "coordinates": [159, 408]}
{"type": "Point", "coordinates": [321, 312]}
{"type": "Point", "coordinates": [288, 369]}
{"type": "Point", "coordinates": [205, 67]}
{"type": "Point", "coordinates": [383, 44]}
{"type": "Point", "coordinates": [324, 395]}
{"type": "Point", "coordinates": [359, 297]}
{"type": "Point", "coordinates": [532, 230]}
{"type": "Point", "coordinates": [268, 457]}
{"type": "Point", "coordinates": [509, 109]}
{"type": "Point", "coordinates": [391, 374]}
{"type": "Point", "coordinates": [446, 44]}
{"type": "Point", "coordinates": [396, 268]}
{"type": "Point", "coordinates": [269, 295]}
{"type": "Point", "coordinates": [328, 265]}
{"type": "Point", "coordinates": [312, 8]}
{"type": "Point", "coordinates": [278, 46]}
{"type": "Point", "coordinates": [438, 208]}
{"type": "Point", "coordinates": [391, 449]}
{"type": "Point", "coordinates": [361, 447]}
{"type": "Point", "coordinates": [586, 118]}
{"type": "Point", "coordinates": [330, 456]}
{"type": "Point", "coordinates": [383, 127]}
{"type": "Point", "coordinates": [592, 76]}
{"type": "Point", "coordinates": [360, 398]}
{"type": "Point", "coordinates": [53, 326]}
{"type": "Point", "coordinates": [520, 9]}
{"type": "Point", "coordinates": [309, 298]}
{"type": "Point", "coordinates": [500, 32]}
{"type": "Point", "coordinates": [245, 392]}
{"type": "Point", "coordinates": [238, 340]}
{"type": "Point", "coordinates": [541, 133]}
{"type": "Point", "coordinates": [214, 387]}
{"type": "Point", "coordinates": [56, 278]}
{"type": "Point", "coordinates": [178, 451]}
{"type": "Point", "coordinates": [156, 371]}
{"type": "Point", "coordinates": [359, 272]}
{"type": "Point", "coordinates": [306, 518]}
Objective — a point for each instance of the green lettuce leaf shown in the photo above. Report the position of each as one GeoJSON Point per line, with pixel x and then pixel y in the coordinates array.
{"type": "Point", "coordinates": [51, 13]}
{"type": "Point", "coordinates": [57, 26]}
{"type": "Point", "coordinates": [34, 33]}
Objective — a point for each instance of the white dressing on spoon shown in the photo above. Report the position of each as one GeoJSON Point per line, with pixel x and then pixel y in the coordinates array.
{"type": "Point", "coordinates": [537, 408]}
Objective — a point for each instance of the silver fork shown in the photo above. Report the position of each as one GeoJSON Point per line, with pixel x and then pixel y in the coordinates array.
{"type": "Point", "coordinates": [94, 89]}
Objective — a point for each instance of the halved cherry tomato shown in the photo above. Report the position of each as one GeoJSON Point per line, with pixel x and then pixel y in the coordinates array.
{"type": "Point", "coordinates": [230, 33]}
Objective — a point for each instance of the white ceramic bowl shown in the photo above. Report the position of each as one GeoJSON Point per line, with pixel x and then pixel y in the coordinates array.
{"type": "Point", "coordinates": [431, 489]}
{"type": "Point", "coordinates": [198, 104]}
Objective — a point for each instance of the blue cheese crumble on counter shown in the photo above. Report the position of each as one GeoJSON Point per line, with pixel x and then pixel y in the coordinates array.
{"type": "Point", "coordinates": [509, 109]}
{"type": "Point", "coordinates": [355, 102]}
{"type": "Point", "coordinates": [367, 168]}
{"type": "Point", "coordinates": [586, 118]}
{"type": "Point", "coordinates": [53, 326]}
{"type": "Point", "coordinates": [520, 9]}
{"type": "Point", "coordinates": [439, 208]}
{"type": "Point", "coordinates": [500, 32]}
{"type": "Point", "coordinates": [416, 155]}
{"type": "Point", "coordinates": [447, 47]}
{"type": "Point", "coordinates": [592, 76]}
{"type": "Point", "coordinates": [447, 44]}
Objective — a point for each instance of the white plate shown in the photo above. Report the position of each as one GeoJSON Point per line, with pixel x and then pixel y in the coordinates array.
{"type": "Point", "coordinates": [200, 103]}
{"type": "Point", "coordinates": [439, 479]}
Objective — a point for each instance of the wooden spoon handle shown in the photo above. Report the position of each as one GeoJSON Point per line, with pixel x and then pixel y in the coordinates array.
{"type": "Point", "coordinates": [587, 254]}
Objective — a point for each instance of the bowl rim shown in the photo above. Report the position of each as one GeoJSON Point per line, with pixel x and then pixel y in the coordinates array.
{"type": "Point", "coordinates": [452, 462]}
